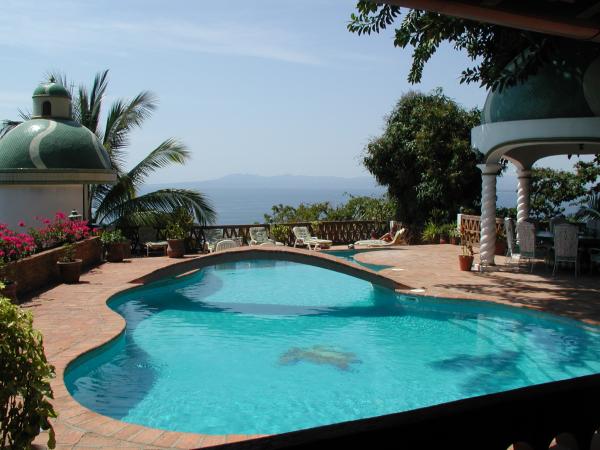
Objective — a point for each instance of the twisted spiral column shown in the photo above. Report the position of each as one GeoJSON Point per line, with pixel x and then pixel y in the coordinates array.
{"type": "Point", "coordinates": [487, 240]}
{"type": "Point", "coordinates": [523, 194]}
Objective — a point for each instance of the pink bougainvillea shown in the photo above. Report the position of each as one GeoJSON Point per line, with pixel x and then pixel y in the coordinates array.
{"type": "Point", "coordinates": [15, 245]}
{"type": "Point", "coordinates": [52, 233]}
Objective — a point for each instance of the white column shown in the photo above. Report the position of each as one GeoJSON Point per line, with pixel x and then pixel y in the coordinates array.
{"type": "Point", "coordinates": [487, 240]}
{"type": "Point", "coordinates": [523, 194]}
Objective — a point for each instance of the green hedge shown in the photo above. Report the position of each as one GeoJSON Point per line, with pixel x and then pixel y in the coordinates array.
{"type": "Point", "coordinates": [24, 380]}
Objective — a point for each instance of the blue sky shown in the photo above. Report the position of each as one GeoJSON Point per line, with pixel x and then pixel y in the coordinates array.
{"type": "Point", "coordinates": [265, 87]}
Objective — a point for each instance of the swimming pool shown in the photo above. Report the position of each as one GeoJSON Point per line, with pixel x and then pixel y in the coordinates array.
{"type": "Point", "coordinates": [261, 347]}
{"type": "Point", "coordinates": [348, 255]}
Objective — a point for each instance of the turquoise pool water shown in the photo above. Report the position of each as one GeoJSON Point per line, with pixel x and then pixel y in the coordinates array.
{"type": "Point", "coordinates": [267, 347]}
{"type": "Point", "coordinates": [348, 255]}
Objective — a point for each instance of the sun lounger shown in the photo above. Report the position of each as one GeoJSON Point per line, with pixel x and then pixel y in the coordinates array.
{"type": "Point", "coordinates": [156, 247]}
{"type": "Point", "coordinates": [303, 237]}
{"type": "Point", "coordinates": [398, 239]}
{"type": "Point", "coordinates": [259, 236]}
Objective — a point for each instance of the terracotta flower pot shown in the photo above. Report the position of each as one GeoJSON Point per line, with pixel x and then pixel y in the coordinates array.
{"type": "Point", "coordinates": [10, 291]}
{"type": "Point", "coordinates": [443, 240]}
{"type": "Point", "coordinates": [70, 271]}
{"type": "Point", "coordinates": [465, 262]}
{"type": "Point", "coordinates": [453, 240]}
{"type": "Point", "coordinates": [176, 248]}
{"type": "Point", "coordinates": [114, 252]}
{"type": "Point", "coordinates": [126, 249]}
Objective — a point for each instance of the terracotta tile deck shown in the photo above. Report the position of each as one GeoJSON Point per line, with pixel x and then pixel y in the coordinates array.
{"type": "Point", "coordinates": [75, 319]}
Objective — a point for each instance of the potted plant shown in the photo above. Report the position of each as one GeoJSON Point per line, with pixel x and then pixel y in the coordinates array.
{"type": "Point", "coordinates": [8, 286]}
{"type": "Point", "coordinates": [68, 266]}
{"type": "Point", "coordinates": [176, 239]}
{"type": "Point", "coordinates": [445, 232]}
{"type": "Point", "coordinates": [280, 233]}
{"type": "Point", "coordinates": [431, 232]}
{"type": "Point", "coordinates": [113, 243]}
{"type": "Point", "coordinates": [453, 235]}
{"type": "Point", "coordinates": [500, 244]}
{"type": "Point", "coordinates": [465, 260]}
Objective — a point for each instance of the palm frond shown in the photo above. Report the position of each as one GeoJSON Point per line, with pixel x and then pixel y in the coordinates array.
{"type": "Point", "coordinates": [170, 151]}
{"type": "Point", "coordinates": [122, 118]}
{"type": "Point", "coordinates": [150, 207]}
{"type": "Point", "coordinates": [8, 125]}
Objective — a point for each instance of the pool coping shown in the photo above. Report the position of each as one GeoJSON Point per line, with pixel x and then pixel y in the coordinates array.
{"type": "Point", "coordinates": [77, 425]}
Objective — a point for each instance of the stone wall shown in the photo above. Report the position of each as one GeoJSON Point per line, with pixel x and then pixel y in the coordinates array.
{"type": "Point", "coordinates": [40, 270]}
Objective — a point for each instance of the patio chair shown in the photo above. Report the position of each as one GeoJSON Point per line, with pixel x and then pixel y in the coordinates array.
{"type": "Point", "coordinates": [259, 236]}
{"type": "Point", "coordinates": [211, 237]}
{"type": "Point", "coordinates": [225, 244]}
{"type": "Point", "coordinates": [397, 240]}
{"type": "Point", "coordinates": [509, 231]}
{"type": "Point", "coordinates": [526, 233]}
{"type": "Point", "coordinates": [303, 237]}
{"type": "Point", "coordinates": [566, 245]}
{"type": "Point", "coordinates": [556, 220]}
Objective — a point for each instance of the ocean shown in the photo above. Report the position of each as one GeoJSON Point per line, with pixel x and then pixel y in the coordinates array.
{"type": "Point", "coordinates": [247, 206]}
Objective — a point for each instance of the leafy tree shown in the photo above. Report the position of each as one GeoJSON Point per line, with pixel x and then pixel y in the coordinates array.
{"type": "Point", "coordinates": [364, 208]}
{"type": "Point", "coordinates": [551, 189]}
{"type": "Point", "coordinates": [121, 203]}
{"type": "Point", "coordinates": [501, 56]}
{"type": "Point", "coordinates": [424, 157]}
{"type": "Point", "coordinates": [304, 212]}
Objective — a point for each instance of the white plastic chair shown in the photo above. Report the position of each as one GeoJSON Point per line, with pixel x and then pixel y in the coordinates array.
{"type": "Point", "coordinates": [526, 233]}
{"type": "Point", "coordinates": [566, 245]}
{"type": "Point", "coordinates": [303, 237]}
{"type": "Point", "coordinates": [259, 236]}
{"type": "Point", "coordinates": [509, 231]}
{"type": "Point", "coordinates": [225, 244]}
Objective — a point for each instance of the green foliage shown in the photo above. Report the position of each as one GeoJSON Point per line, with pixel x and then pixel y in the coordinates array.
{"type": "Point", "coordinates": [424, 157]}
{"type": "Point", "coordinates": [591, 210]}
{"type": "Point", "coordinates": [280, 233]}
{"type": "Point", "coordinates": [24, 384]}
{"type": "Point", "coordinates": [112, 237]}
{"type": "Point", "coordinates": [364, 208]}
{"type": "Point", "coordinates": [550, 189]}
{"type": "Point", "coordinates": [68, 253]}
{"type": "Point", "coordinates": [506, 212]}
{"type": "Point", "coordinates": [304, 212]}
{"type": "Point", "coordinates": [356, 208]}
{"type": "Point", "coordinates": [179, 224]}
{"type": "Point", "coordinates": [501, 56]}
{"type": "Point", "coordinates": [431, 232]}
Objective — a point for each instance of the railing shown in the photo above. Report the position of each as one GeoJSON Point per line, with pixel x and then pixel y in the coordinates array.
{"type": "Point", "coordinates": [527, 418]}
{"type": "Point", "coordinates": [471, 226]}
{"type": "Point", "coordinates": [339, 232]}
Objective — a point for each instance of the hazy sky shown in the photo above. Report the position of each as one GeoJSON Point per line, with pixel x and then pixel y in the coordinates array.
{"type": "Point", "coordinates": [265, 87]}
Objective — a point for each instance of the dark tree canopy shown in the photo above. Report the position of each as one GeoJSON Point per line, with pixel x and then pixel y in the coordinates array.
{"type": "Point", "coordinates": [491, 47]}
{"type": "Point", "coordinates": [425, 159]}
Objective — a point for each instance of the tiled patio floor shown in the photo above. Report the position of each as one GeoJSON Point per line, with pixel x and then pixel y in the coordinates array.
{"type": "Point", "coordinates": [74, 319]}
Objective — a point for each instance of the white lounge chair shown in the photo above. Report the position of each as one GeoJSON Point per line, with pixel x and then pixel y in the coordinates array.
{"type": "Point", "coordinates": [211, 237]}
{"type": "Point", "coordinates": [259, 236]}
{"type": "Point", "coordinates": [397, 240]}
{"type": "Point", "coordinates": [225, 244]}
{"type": "Point", "coordinates": [303, 237]}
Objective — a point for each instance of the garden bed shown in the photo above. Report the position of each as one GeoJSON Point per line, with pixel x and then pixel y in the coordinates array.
{"type": "Point", "coordinates": [39, 270]}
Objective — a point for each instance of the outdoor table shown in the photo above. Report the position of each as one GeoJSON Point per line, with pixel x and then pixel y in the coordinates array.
{"type": "Point", "coordinates": [585, 243]}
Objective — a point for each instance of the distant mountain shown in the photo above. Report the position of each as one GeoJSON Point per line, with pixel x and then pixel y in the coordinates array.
{"type": "Point", "coordinates": [247, 181]}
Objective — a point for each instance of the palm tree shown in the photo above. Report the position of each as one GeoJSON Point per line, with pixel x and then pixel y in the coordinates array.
{"type": "Point", "coordinates": [121, 204]}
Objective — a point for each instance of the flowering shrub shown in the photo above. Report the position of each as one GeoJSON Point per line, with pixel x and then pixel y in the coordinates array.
{"type": "Point", "coordinates": [14, 245]}
{"type": "Point", "coordinates": [58, 231]}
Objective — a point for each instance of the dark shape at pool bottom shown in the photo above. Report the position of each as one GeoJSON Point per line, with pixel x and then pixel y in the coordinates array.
{"type": "Point", "coordinates": [319, 354]}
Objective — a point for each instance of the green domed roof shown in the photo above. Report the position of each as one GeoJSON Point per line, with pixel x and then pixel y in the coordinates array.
{"type": "Point", "coordinates": [53, 151]}
{"type": "Point", "coordinates": [571, 90]}
{"type": "Point", "coordinates": [51, 88]}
